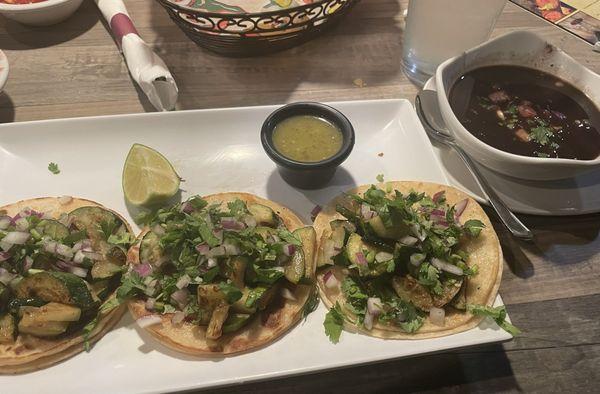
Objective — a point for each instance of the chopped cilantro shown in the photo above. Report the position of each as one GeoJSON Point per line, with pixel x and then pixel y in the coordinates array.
{"type": "Point", "coordinates": [53, 168]}
{"type": "Point", "coordinates": [541, 134]}
{"type": "Point", "coordinates": [498, 314]}
{"type": "Point", "coordinates": [232, 293]}
{"type": "Point", "coordinates": [334, 323]}
{"type": "Point", "coordinates": [473, 227]}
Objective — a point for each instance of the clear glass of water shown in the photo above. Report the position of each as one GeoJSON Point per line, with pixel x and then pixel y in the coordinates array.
{"type": "Point", "coordinates": [438, 30]}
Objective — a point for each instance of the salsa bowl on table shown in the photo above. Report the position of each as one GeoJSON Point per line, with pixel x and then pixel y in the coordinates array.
{"type": "Point", "coordinates": [39, 12]}
{"type": "Point", "coordinates": [538, 118]}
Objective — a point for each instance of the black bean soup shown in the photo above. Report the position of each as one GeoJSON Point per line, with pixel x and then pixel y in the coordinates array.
{"type": "Point", "coordinates": [527, 112]}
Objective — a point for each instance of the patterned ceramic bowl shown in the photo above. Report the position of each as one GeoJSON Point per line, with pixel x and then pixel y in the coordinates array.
{"type": "Point", "coordinates": [3, 70]}
{"type": "Point", "coordinates": [254, 27]}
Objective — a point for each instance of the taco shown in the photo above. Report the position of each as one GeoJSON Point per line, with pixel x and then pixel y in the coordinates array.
{"type": "Point", "coordinates": [406, 260]}
{"type": "Point", "coordinates": [221, 274]}
{"type": "Point", "coordinates": [61, 260]}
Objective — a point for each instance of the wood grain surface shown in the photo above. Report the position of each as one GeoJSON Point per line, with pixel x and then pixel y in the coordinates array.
{"type": "Point", "coordinates": [551, 287]}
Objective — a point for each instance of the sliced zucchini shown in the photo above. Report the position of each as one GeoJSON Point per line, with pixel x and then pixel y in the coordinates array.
{"type": "Point", "coordinates": [355, 245]}
{"type": "Point", "coordinates": [219, 315]}
{"type": "Point", "coordinates": [7, 329]}
{"type": "Point", "coordinates": [27, 325]}
{"type": "Point", "coordinates": [409, 289]}
{"type": "Point", "coordinates": [268, 296]}
{"type": "Point", "coordinates": [235, 270]}
{"type": "Point", "coordinates": [394, 232]}
{"type": "Point", "coordinates": [51, 312]}
{"type": "Point", "coordinates": [265, 232]}
{"type": "Point", "coordinates": [235, 321]}
{"type": "Point", "coordinates": [209, 296]}
{"type": "Point", "coordinates": [295, 267]}
{"type": "Point", "coordinates": [460, 299]}
{"type": "Point", "coordinates": [95, 220]}
{"type": "Point", "coordinates": [17, 303]}
{"type": "Point", "coordinates": [61, 287]}
{"type": "Point", "coordinates": [53, 229]}
{"type": "Point", "coordinates": [251, 299]}
{"type": "Point", "coordinates": [264, 215]}
{"type": "Point", "coordinates": [104, 269]}
{"type": "Point", "coordinates": [101, 288]}
{"type": "Point", "coordinates": [150, 250]}
{"type": "Point", "coordinates": [4, 296]}
{"type": "Point", "coordinates": [308, 237]}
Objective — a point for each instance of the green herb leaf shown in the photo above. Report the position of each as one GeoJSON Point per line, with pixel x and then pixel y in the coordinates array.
{"type": "Point", "coordinates": [541, 134]}
{"type": "Point", "coordinates": [473, 227]}
{"type": "Point", "coordinates": [232, 293]}
{"type": "Point", "coordinates": [334, 323]}
{"type": "Point", "coordinates": [53, 168]}
{"type": "Point", "coordinates": [124, 239]}
{"type": "Point", "coordinates": [380, 178]}
{"type": "Point", "coordinates": [498, 314]}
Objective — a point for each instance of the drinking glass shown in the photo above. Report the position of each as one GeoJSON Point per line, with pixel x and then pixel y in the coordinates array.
{"type": "Point", "coordinates": [438, 30]}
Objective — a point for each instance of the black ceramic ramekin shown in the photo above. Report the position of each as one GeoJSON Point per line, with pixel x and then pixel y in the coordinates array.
{"type": "Point", "coordinates": [305, 175]}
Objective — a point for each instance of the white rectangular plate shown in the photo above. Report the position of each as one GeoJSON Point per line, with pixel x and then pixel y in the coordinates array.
{"type": "Point", "coordinates": [214, 151]}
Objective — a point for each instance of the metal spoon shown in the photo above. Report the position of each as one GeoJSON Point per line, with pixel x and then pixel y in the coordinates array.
{"type": "Point", "coordinates": [512, 223]}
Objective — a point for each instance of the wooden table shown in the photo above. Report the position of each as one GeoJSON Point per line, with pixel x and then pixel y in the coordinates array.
{"type": "Point", "coordinates": [551, 287]}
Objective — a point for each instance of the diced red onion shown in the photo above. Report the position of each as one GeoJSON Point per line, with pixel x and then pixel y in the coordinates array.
{"type": "Point", "coordinates": [22, 224]}
{"type": "Point", "coordinates": [437, 197]}
{"type": "Point", "coordinates": [64, 251]}
{"type": "Point", "coordinates": [219, 235]}
{"type": "Point", "coordinates": [93, 255]}
{"type": "Point", "coordinates": [330, 280]}
{"type": "Point", "coordinates": [181, 297]}
{"type": "Point", "coordinates": [250, 221]}
{"type": "Point", "coordinates": [445, 266]}
{"type": "Point", "coordinates": [86, 245]}
{"type": "Point", "coordinates": [63, 265]}
{"type": "Point", "coordinates": [81, 272]}
{"type": "Point", "coordinates": [28, 263]}
{"type": "Point", "coordinates": [380, 257]}
{"type": "Point", "coordinates": [5, 256]}
{"type": "Point", "coordinates": [148, 320]}
{"type": "Point", "coordinates": [77, 247]}
{"type": "Point", "coordinates": [187, 207]}
{"type": "Point", "coordinates": [158, 230]}
{"type": "Point", "coordinates": [212, 262]}
{"type": "Point", "coordinates": [361, 259]}
{"type": "Point", "coordinates": [416, 259]}
{"type": "Point", "coordinates": [50, 246]}
{"type": "Point", "coordinates": [438, 212]}
{"type": "Point", "coordinates": [143, 270]}
{"type": "Point", "coordinates": [183, 282]}
{"type": "Point", "coordinates": [150, 303]}
{"type": "Point", "coordinates": [366, 213]}
{"type": "Point", "coordinates": [280, 269]}
{"type": "Point", "coordinates": [459, 208]}
{"type": "Point", "coordinates": [315, 211]}
{"type": "Point", "coordinates": [232, 224]}
{"type": "Point", "coordinates": [5, 246]}
{"type": "Point", "coordinates": [408, 240]}
{"type": "Point", "coordinates": [289, 249]}
{"type": "Point", "coordinates": [374, 306]}
{"type": "Point", "coordinates": [437, 316]}
{"type": "Point", "coordinates": [202, 249]}
{"type": "Point", "coordinates": [79, 257]}
{"type": "Point", "coordinates": [4, 222]}
{"type": "Point", "coordinates": [368, 321]}
{"type": "Point", "coordinates": [275, 238]}
{"type": "Point", "coordinates": [287, 294]}
{"type": "Point", "coordinates": [6, 277]}
{"type": "Point", "coordinates": [64, 200]}
{"type": "Point", "coordinates": [417, 232]}
{"type": "Point", "coordinates": [16, 237]}
{"type": "Point", "coordinates": [178, 317]}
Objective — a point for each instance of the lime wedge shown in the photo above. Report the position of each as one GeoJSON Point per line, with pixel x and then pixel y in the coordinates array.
{"type": "Point", "coordinates": [148, 177]}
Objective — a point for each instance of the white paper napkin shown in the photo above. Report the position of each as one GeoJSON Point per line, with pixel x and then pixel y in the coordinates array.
{"type": "Point", "coordinates": [145, 67]}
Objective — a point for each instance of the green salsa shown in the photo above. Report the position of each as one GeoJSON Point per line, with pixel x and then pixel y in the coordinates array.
{"type": "Point", "coordinates": [307, 138]}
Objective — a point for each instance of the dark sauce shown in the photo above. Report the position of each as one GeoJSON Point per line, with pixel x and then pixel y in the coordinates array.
{"type": "Point", "coordinates": [527, 112]}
